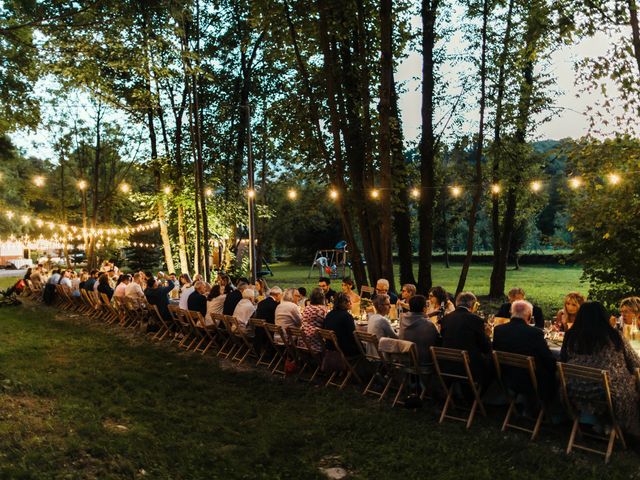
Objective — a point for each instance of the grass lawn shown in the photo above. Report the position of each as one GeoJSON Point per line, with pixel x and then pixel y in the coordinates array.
{"type": "Point", "coordinates": [83, 400]}
{"type": "Point", "coordinates": [546, 285]}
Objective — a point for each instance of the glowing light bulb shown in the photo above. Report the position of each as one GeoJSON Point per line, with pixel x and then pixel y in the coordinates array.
{"type": "Point", "coordinates": [575, 182]}
{"type": "Point", "coordinates": [208, 192]}
{"type": "Point", "coordinates": [251, 193]}
{"type": "Point", "coordinates": [375, 193]}
{"type": "Point", "coordinates": [38, 181]}
{"type": "Point", "coordinates": [125, 187]}
{"type": "Point", "coordinates": [415, 193]}
{"type": "Point", "coordinates": [496, 189]}
{"type": "Point", "coordinates": [536, 186]}
{"type": "Point", "coordinates": [456, 191]}
{"type": "Point", "coordinates": [82, 184]}
{"type": "Point", "coordinates": [614, 178]}
{"type": "Point", "coordinates": [292, 194]}
{"type": "Point", "coordinates": [10, 214]}
{"type": "Point", "coordinates": [39, 222]}
{"type": "Point", "coordinates": [25, 219]}
{"type": "Point", "coordinates": [167, 190]}
{"type": "Point", "coordinates": [333, 194]}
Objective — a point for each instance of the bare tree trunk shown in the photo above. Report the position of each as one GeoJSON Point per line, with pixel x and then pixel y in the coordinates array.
{"type": "Point", "coordinates": [477, 194]}
{"type": "Point", "coordinates": [635, 30]}
{"type": "Point", "coordinates": [384, 108]}
{"type": "Point", "coordinates": [91, 255]}
{"type": "Point", "coordinates": [427, 144]}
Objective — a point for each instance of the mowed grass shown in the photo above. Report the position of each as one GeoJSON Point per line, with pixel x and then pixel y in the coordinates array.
{"type": "Point", "coordinates": [83, 400]}
{"type": "Point", "coordinates": [546, 285]}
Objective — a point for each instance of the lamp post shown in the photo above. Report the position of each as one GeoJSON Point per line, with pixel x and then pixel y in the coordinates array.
{"type": "Point", "coordinates": [251, 194]}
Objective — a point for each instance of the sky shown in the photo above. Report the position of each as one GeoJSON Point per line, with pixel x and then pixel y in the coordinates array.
{"type": "Point", "coordinates": [569, 122]}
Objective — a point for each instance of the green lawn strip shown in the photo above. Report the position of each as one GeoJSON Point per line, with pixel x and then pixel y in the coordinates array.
{"type": "Point", "coordinates": [82, 400]}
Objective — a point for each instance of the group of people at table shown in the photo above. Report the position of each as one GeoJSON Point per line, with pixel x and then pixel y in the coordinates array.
{"type": "Point", "coordinates": [591, 337]}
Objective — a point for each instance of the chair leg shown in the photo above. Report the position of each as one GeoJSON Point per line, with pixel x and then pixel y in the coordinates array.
{"type": "Point", "coordinates": [536, 428]}
{"type": "Point", "coordinates": [508, 417]}
{"type": "Point", "coordinates": [472, 414]}
{"type": "Point", "coordinates": [572, 437]}
{"type": "Point", "coordinates": [612, 439]}
{"type": "Point", "coordinates": [447, 402]}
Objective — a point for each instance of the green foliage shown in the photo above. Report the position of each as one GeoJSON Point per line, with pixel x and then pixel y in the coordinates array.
{"type": "Point", "coordinates": [604, 218]}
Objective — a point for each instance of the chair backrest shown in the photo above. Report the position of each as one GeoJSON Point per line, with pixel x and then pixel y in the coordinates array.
{"type": "Point", "coordinates": [196, 319]}
{"type": "Point", "coordinates": [366, 291]}
{"type": "Point", "coordinates": [398, 353]}
{"type": "Point", "coordinates": [274, 330]}
{"type": "Point", "coordinates": [105, 299]}
{"type": "Point", "coordinates": [329, 336]}
{"type": "Point", "coordinates": [515, 360]}
{"type": "Point", "coordinates": [440, 354]}
{"type": "Point", "coordinates": [364, 340]}
{"type": "Point", "coordinates": [582, 374]}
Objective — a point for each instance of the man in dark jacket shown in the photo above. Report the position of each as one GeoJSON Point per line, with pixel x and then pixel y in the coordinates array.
{"type": "Point", "coordinates": [159, 296]}
{"type": "Point", "coordinates": [325, 284]}
{"type": "Point", "coordinates": [518, 294]}
{"type": "Point", "coordinates": [464, 330]}
{"type": "Point", "coordinates": [518, 336]}
{"type": "Point", "coordinates": [233, 298]}
{"type": "Point", "coordinates": [266, 309]}
{"type": "Point", "coordinates": [197, 301]}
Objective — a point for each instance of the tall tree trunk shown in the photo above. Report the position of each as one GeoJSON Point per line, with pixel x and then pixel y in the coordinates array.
{"type": "Point", "coordinates": [337, 174]}
{"type": "Point", "coordinates": [498, 272]}
{"type": "Point", "coordinates": [635, 30]}
{"type": "Point", "coordinates": [477, 194]}
{"type": "Point", "coordinates": [429, 12]}
{"type": "Point", "coordinates": [386, 200]}
{"type": "Point", "coordinates": [91, 256]}
{"type": "Point", "coordinates": [401, 209]}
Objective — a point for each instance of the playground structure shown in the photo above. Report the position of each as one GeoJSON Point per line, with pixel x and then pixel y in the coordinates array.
{"type": "Point", "coordinates": [332, 263]}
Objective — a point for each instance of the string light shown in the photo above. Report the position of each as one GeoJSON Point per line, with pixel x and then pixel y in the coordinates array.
{"type": "Point", "coordinates": [536, 186]}
{"type": "Point", "coordinates": [415, 193]}
{"type": "Point", "coordinates": [10, 214]}
{"type": "Point", "coordinates": [167, 190]}
{"type": "Point", "coordinates": [456, 191]}
{"type": "Point", "coordinates": [125, 187]}
{"type": "Point", "coordinates": [333, 193]}
{"type": "Point", "coordinates": [82, 184]}
{"type": "Point", "coordinates": [251, 193]}
{"type": "Point", "coordinates": [495, 188]}
{"type": "Point", "coordinates": [292, 194]}
{"type": "Point", "coordinates": [208, 192]}
{"type": "Point", "coordinates": [375, 193]}
{"type": "Point", "coordinates": [25, 219]}
{"type": "Point", "coordinates": [575, 182]}
{"type": "Point", "coordinates": [38, 181]}
{"type": "Point", "coordinates": [614, 178]}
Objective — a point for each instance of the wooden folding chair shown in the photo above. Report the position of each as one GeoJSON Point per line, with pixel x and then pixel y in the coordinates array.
{"type": "Point", "coordinates": [368, 344]}
{"type": "Point", "coordinates": [586, 375]}
{"type": "Point", "coordinates": [305, 355]}
{"type": "Point", "coordinates": [329, 336]}
{"type": "Point", "coordinates": [245, 341]}
{"type": "Point", "coordinates": [89, 307]}
{"type": "Point", "coordinates": [401, 359]}
{"type": "Point", "coordinates": [528, 364]}
{"type": "Point", "coordinates": [197, 329]}
{"type": "Point", "coordinates": [259, 326]}
{"type": "Point", "coordinates": [111, 312]}
{"type": "Point", "coordinates": [210, 333]}
{"type": "Point", "coordinates": [461, 357]}
{"type": "Point", "coordinates": [225, 335]}
{"type": "Point", "coordinates": [163, 326]}
{"type": "Point", "coordinates": [278, 340]}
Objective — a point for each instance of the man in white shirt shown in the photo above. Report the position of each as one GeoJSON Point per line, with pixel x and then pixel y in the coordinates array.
{"type": "Point", "coordinates": [66, 279]}
{"type": "Point", "coordinates": [246, 307]}
{"type": "Point", "coordinates": [134, 289]}
{"type": "Point", "coordinates": [187, 290]}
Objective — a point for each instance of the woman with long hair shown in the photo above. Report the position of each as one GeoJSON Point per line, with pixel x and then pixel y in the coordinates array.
{"type": "Point", "coordinates": [593, 342]}
{"type": "Point", "coordinates": [566, 316]}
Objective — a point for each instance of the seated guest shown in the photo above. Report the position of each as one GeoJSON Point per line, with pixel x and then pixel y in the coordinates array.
{"type": "Point", "coordinates": [158, 295]}
{"type": "Point", "coordinates": [347, 288]}
{"type": "Point", "coordinates": [186, 290]}
{"type": "Point", "coordinates": [246, 307]}
{"type": "Point", "coordinates": [382, 288]}
{"type": "Point", "coordinates": [416, 328]}
{"type": "Point", "coordinates": [65, 280]}
{"type": "Point", "coordinates": [91, 281]}
{"type": "Point", "coordinates": [121, 289]}
{"type": "Point", "coordinates": [464, 330]}
{"type": "Point", "coordinates": [313, 318]}
{"type": "Point", "coordinates": [233, 298]}
{"type": "Point", "coordinates": [134, 289]}
{"type": "Point", "coordinates": [567, 315]}
{"type": "Point", "coordinates": [629, 313]}
{"type": "Point", "coordinates": [378, 323]}
{"type": "Point", "coordinates": [215, 302]}
{"type": "Point", "coordinates": [287, 312]}
{"type": "Point", "coordinates": [518, 294]}
{"type": "Point", "coordinates": [408, 291]}
{"type": "Point", "coordinates": [439, 304]}
{"type": "Point", "coordinates": [303, 297]}
{"type": "Point", "coordinates": [197, 301]}
{"type": "Point", "coordinates": [54, 279]}
{"type": "Point", "coordinates": [262, 288]}
{"type": "Point", "coordinates": [225, 283]}
{"type": "Point", "coordinates": [266, 309]}
{"type": "Point", "coordinates": [517, 336]}
{"type": "Point", "coordinates": [81, 279]}
{"type": "Point", "coordinates": [104, 286]}
{"type": "Point", "coordinates": [325, 284]}
{"type": "Point", "coordinates": [36, 277]}
{"type": "Point", "coordinates": [175, 293]}
{"type": "Point", "coordinates": [593, 342]}
{"type": "Point", "coordinates": [341, 322]}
